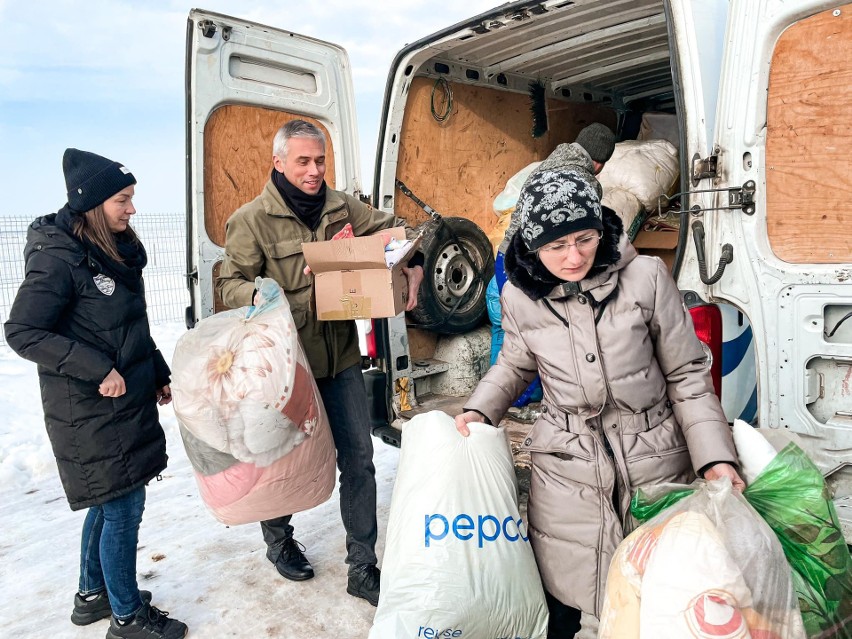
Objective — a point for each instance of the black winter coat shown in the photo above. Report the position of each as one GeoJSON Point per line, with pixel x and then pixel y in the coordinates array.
{"type": "Point", "coordinates": [66, 319]}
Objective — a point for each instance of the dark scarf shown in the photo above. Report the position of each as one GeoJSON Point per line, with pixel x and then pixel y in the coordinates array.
{"type": "Point", "coordinates": [308, 208]}
{"type": "Point", "coordinates": [525, 271]}
{"type": "Point", "coordinates": [129, 271]}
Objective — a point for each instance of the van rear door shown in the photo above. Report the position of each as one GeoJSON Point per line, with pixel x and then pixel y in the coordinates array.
{"type": "Point", "coordinates": [782, 125]}
{"type": "Point", "coordinates": [243, 81]}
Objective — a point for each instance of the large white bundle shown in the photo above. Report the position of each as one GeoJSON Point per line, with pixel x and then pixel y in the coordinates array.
{"type": "Point", "coordinates": [457, 561]}
{"type": "Point", "coordinates": [251, 417]}
{"type": "Point", "coordinates": [646, 168]}
{"type": "Point", "coordinates": [624, 203]}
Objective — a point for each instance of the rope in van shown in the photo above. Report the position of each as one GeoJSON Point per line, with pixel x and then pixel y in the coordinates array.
{"type": "Point", "coordinates": [448, 100]}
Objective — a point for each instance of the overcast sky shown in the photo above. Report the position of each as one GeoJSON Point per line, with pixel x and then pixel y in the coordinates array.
{"type": "Point", "coordinates": [107, 76]}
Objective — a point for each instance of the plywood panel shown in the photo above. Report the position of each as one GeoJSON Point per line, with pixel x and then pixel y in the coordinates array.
{"type": "Point", "coordinates": [809, 141]}
{"type": "Point", "coordinates": [238, 160]}
{"type": "Point", "coordinates": [458, 166]}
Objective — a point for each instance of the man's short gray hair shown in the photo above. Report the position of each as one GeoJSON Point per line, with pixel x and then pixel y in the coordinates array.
{"type": "Point", "coordinates": [295, 129]}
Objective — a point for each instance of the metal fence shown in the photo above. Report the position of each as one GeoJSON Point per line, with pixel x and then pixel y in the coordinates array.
{"type": "Point", "coordinates": [164, 237]}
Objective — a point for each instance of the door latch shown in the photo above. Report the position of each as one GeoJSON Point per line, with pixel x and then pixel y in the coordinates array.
{"type": "Point", "coordinates": [739, 197]}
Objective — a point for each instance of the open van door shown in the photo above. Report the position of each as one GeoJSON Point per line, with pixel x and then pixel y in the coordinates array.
{"type": "Point", "coordinates": [783, 174]}
{"type": "Point", "coordinates": [243, 82]}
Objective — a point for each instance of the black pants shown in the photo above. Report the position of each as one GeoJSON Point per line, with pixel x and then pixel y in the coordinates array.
{"type": "Point", "coordinates": [345, 399]}
{"type": "Point", "coordinates": [564, 620]}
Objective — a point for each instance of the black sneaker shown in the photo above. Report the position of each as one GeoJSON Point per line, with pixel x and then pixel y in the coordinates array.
{"type": "Point", "coordinates": [96, 607]}
{"type": "Point", "coordinates": [149, 623]}
{"type": "Point", "coordinates": [364, 582]}
{"type": "Point", "coordinates": [292, 563]}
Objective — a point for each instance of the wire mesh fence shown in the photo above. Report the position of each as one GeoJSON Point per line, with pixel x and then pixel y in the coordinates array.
{"type": "Point", "coordinates": [164, 237]}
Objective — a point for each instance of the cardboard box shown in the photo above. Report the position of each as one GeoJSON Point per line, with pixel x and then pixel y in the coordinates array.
{"type": "Point", "coordinates": [661, 244]}
{"type": "Point", "coordinates": [352, 280]}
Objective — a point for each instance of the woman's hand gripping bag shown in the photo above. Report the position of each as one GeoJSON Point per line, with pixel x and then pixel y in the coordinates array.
{"type": "Point", "coordinates": [707, 567]}
{"type": "Point", "coordinates": [250, 414]}
{"type": "Point", "coordinates": [457, 560]}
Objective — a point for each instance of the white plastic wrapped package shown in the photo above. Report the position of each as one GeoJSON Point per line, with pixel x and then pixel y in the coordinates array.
{"type": "Point", "coordinates": [645, 168]}
{"type": "Point", "coordinates": [707, 567]}
{"type": "Point", "coordinates": [251, 417]}
{"type": "Point", "coordinates": [457, 561]}
{"type": "Point", "coordinates": [753, 450]}
{"type": "Point", "coordinates": [507, 199]}
{"type": "Point", "coordinates": [659, 126]}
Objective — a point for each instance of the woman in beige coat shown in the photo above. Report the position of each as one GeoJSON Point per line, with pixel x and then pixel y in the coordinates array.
{"type": "Point", "coordinates": [628, 398]}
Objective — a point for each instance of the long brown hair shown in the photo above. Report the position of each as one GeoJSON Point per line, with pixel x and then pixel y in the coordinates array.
{"type": "Point", "coordinates": [92, 227]}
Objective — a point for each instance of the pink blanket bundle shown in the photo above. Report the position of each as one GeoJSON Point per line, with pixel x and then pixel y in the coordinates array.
{"type": "Point", "coordinates": [251, 417]}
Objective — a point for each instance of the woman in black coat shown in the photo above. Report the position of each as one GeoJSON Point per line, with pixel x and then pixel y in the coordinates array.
{"type": "Point", "coordinates": [80, 314]}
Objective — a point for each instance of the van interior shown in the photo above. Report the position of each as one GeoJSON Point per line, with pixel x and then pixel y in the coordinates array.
{"type": "Point", "coordinates": [468, 108]}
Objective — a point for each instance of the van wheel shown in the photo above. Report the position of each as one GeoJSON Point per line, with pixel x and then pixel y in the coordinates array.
{"type": "Point", "coordinates": [454, 251]}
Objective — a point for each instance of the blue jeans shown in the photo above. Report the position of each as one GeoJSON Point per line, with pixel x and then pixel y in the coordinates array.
{"type": "Point", "coordinates": [345, 400]}
{"type": "Point", "coordinates": [108, 552]}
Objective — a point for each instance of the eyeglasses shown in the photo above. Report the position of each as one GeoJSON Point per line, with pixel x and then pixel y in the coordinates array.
{"type": "Point", "coordinates": [584, 245]}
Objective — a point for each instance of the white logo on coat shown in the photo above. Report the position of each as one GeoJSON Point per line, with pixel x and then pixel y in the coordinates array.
{"type": "Point", "coordinates": [106, 285]}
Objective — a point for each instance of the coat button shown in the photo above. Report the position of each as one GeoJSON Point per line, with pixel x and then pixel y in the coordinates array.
{"type": "Point", "coordinates": [590, 357]}
{"type": "Point", "coordinates": [615, 425]}
{"type": "Point", "coordinates": [544, 409]}
{"type": "Point", "coordinates": [582, 299]}
{"type": "Point", "coordinates": [527, 441]}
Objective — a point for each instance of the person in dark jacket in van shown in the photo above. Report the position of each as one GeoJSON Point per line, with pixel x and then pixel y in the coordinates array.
{"type": "Point", "coordinates": [80, 314]}
{"type": "Point", "coordinates": [628, 397]}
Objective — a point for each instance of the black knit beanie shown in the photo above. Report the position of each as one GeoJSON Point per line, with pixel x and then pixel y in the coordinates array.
{"type": "Point", "coordinates": [92, 179]}
{"type": "Point", "coordinates": [598, 141]}
{"type": "Point", "coordinates": [554, 203]}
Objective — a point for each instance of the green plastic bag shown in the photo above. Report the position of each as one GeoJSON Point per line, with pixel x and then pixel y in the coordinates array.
{"type": "Point", "coordinates": [647, 503]}
{"type": "Point", "coordinates": [791, 495]}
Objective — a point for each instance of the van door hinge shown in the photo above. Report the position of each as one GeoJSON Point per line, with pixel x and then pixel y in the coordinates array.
{"type": "Point", "coordinates": [208, 28]}
{"type": "Point", "coordinates": [703, 169]}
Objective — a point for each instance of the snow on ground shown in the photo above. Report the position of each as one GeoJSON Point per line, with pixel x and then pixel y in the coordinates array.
{"type": "Point", "coordinates": [213, 577]}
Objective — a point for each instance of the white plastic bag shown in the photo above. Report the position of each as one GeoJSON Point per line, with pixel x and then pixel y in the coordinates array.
{"type": "Point", "coordinates": [706, 567]}
{"type": "Point", "coordinates": [251, 417]}
{"type": "Point", "coordinates": [646, 168]}
{"type": "Point", "coordinates": [753, 450]}
{"type": "Point", "coordinates": [507, 199]}
{"type": "Point", "coordinates": [457, 561]}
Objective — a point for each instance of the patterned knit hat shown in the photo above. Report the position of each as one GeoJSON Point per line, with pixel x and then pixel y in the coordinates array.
{"type": "Point", "coordinates": [554, 203]}
{"type": "Point", "coordinates": [92, 179]}
{"type": "Point", "coordinates": [598, 140]}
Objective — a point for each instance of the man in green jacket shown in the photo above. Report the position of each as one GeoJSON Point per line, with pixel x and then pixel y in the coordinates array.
{"type": "Point", "coordinates": [264, 238]}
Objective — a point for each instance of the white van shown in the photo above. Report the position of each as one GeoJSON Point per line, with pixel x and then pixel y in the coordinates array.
{"type": "Point", "coordinates": [758, 93]}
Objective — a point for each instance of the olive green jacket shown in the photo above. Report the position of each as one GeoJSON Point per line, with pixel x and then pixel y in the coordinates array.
{"type": "Point", "coordinates": [264, 237]}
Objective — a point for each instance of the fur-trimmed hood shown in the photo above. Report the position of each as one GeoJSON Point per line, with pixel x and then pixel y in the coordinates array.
{"type": "Point", "coordinates": [526, 271]}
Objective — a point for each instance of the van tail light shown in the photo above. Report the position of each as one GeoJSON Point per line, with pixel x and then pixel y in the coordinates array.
{"type": "Point", "coordinates": [707, 320]}
{"type": "Point", "coordinates": [370, 335]}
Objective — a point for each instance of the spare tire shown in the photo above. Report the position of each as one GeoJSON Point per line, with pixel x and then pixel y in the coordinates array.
{"type": "Point", "coordinates": [459, 263]}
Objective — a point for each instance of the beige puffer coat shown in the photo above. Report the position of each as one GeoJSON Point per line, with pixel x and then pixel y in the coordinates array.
{"type": "Point", "coordinates": [628, 401]}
